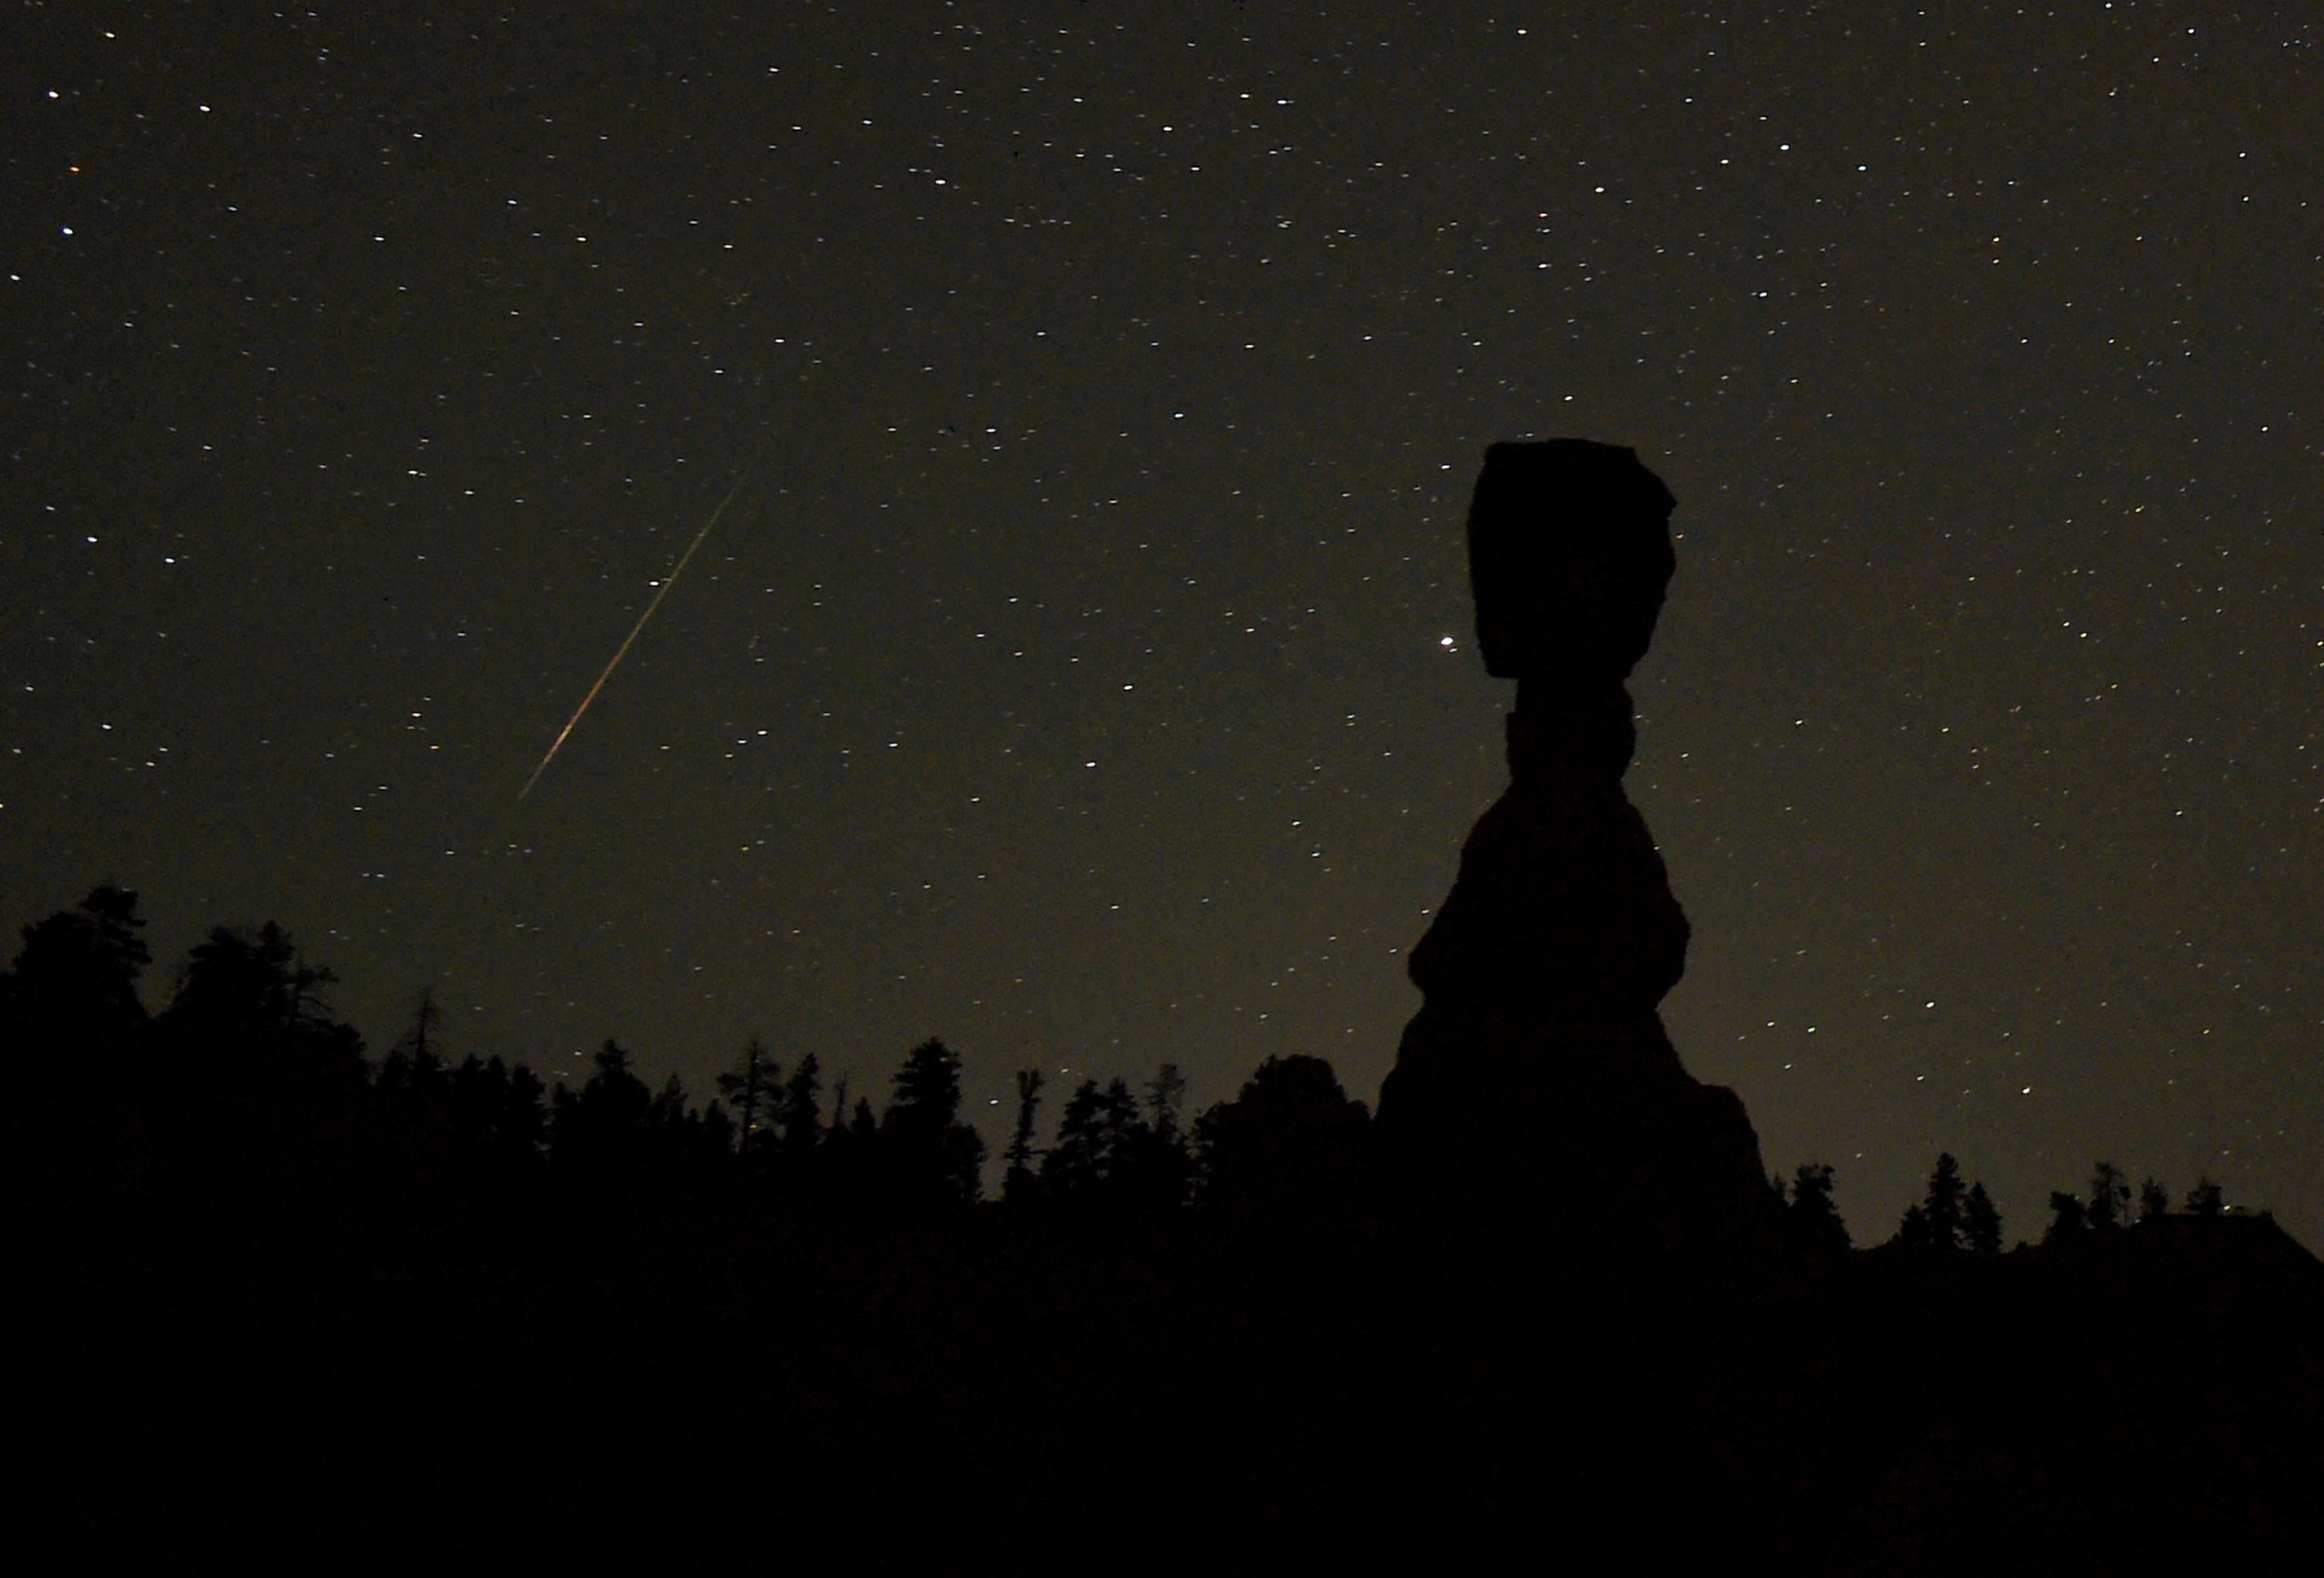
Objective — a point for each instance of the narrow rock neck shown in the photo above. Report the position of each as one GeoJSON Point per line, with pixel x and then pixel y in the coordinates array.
{"type": "Point", "coordinates": [1569, 735]}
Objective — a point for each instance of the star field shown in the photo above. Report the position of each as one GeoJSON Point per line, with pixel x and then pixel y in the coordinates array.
{"type": "Point", "coordinates": [1084, 675]}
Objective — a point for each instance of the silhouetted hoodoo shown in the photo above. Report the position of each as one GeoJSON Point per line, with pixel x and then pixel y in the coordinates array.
{"type": "Point", "coordinates": [1536, 1074]}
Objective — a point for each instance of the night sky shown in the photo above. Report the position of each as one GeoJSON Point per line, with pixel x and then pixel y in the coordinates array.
{"type": "Point", "coordinates": [1083, 672]}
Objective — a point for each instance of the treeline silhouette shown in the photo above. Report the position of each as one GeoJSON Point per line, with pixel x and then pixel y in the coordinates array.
{"type": "Point", "coordinates": [1951, 1217]}
{"type": "Point", "coordinates": [248, 1005]}
{"type": "Point", "coordinates": [282, 1301]}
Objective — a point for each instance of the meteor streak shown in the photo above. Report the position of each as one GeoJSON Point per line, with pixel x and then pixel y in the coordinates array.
{"type": "Point", "coordinates": [623, 651]}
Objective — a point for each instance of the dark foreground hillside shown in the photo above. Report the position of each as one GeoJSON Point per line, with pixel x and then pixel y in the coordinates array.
{"type": "Point", "coordinates": [263, 1315]}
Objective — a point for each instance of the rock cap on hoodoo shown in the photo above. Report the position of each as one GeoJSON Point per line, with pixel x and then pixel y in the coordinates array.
{"type": "Point", "coordinates": [1569, 552]}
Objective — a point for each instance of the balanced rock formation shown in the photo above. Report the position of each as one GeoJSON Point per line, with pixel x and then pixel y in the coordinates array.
{"type": "Point", "coordinates": [1537, 1079]}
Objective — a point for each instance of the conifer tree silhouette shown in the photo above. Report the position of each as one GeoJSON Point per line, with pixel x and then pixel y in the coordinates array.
{"type": "Point", "coordinates": [413, 1066]}
{"type": "Point", "coordinates": [1943, 1203]}
{"type": "Point", "coordinates": [851, 1168]}
{"type": "Point", "coordinates": [668, 1127]}
{"type": "Point", "coordinates": [1162, 1162]}
{"type": "Point", "coordinates": [233, 980]}
{"type": "Point", "coordinates": [753, 1088]}
{"type": "Point", "coordinates": [2109, 1196]}
{"type": "Point", "coordinates": [1950, 1217]}
{"type": "Point", "coordinates": [77, 971]}
{"type": "Point", "coordinates": [1981, 1222]}
{"type": "Point", "coordinates": [1814, 1220]}
{"type": "Point", "coordinates": [1290, 1138]}
{"type": "Point", "coordinates": [600, 1130]}
{"type": "Point", "coordinates": [498, 1113]}
{"type": "Point", "coordinates": [800, 1111]}
{"type": "Point", "coordinates": [1937, 1221]}
{"type": "Point", "coordinates": [929, 1156]}
{"type": "Point", "coordinates": [1096, 1142]}
{"type": "Point", "coordinates": [245, 993]}
{"type": "Point", "coordinates": [241, 980]}
{"type": "Point", "coordinates": [1165, 1099]}
{"type": "Point", "coordinates": [1018, 1181]}
{"type": "Point", "coordinates": [425, 1034]}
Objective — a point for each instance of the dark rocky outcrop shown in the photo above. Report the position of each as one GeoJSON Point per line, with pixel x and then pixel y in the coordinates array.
{"type": "Point", "coordinates": [1536, 1079]}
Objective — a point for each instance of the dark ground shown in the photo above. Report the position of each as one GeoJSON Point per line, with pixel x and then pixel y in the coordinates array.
{"type": "Point", "coordinates": [258, 1321]}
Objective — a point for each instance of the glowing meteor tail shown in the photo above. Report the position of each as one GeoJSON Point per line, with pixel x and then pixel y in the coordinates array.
{"type": "Point", "coordinates": [623, 651]}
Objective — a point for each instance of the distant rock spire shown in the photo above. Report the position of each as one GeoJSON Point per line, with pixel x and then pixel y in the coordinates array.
{"type": "Point", "coordinates": [1536, 1071]}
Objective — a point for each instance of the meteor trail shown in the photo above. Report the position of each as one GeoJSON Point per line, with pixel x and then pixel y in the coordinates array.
{"type": "Point", "coordinates": [623, 651]}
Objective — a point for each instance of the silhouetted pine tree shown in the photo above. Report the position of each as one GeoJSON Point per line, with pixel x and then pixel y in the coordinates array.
{"type": "Point", "coordinates": [1936, 1222]}
{"type": "Point", "coordinates": [1291, 1139]}
{"type": "Point", "coordinates": [753, 1088]}
{"type": "Point", "coordinates": [430, 1080]}
{"type": "Point", "coordinates": [522, 1109]}
{"type": "Point", "coordinates": [77, 972]}
{"type": "Point", "coordinates": [1950, 1217]}
{"type": "Point", "coordinates": [236, 980]}
{"type": "Point", "coordinates": [1096, 1145]}
{"type": "Point", "coordinates": [233, 981]}
{"type": "Point", "coordinates": [424, 1036]}
{"type": "Point", "coordinates": [1111, 1152]}
{"type": "Point", "coordinates": [1814, 1221]}
{"type": "Point", "coordinates": [800, 1113]}
{"type": "Point", "coordinates": [2205, 1199]}
{"type": "Point", "coordinates": [248, 992]}
{"type": "Point", "coordinates": [1161, 1161]}
{"type": "Point", "coordinates": [840, 1167]}
{"type": "Point", "coordinates": [1943, 1203]}
{"type": "Point", "coordinates": [848, 1167]}
{"type": "Point", "coordinates": [498, 1113]}
{"type": "Point", "coordinates": [670, 1127]}
{"type": "Point", "coordinates": [600, 1130]}
{"type": "Point", "coordinates": [2109, 1196]}
{"type": "Point", "coordinates": [1018, 1183]}
{"type": "Point", "coordinates": [1981, 1222]}
{"type": "Point", "coordinates": [927, 1155]}
{"type": "Point", "coordinates": [710, 1138]}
